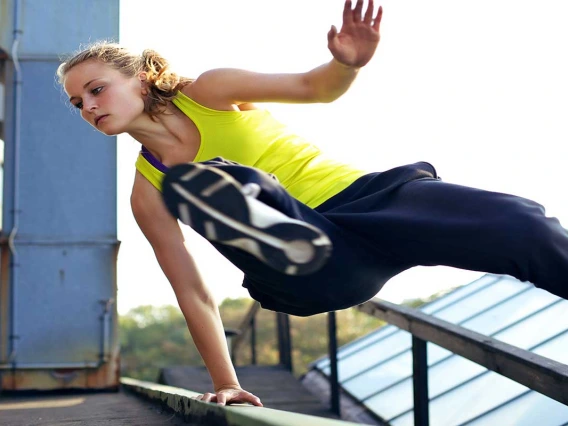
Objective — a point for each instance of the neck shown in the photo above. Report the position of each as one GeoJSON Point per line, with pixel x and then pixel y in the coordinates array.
{"type": "Point", "coordinates": [166, 132]}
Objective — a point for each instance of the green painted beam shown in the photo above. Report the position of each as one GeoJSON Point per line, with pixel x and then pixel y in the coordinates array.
{"type": "Point", "coordinates": [181, 401]}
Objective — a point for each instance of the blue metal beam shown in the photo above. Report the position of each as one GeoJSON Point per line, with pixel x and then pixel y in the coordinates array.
{"type": "Point", "coordinates": [59, 197]}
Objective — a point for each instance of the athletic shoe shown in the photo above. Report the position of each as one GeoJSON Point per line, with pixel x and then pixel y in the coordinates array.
{"type": "Point", "coordinates": [223, 211]}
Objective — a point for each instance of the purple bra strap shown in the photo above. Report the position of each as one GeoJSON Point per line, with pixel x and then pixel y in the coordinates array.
{"type": "Point", "coordinates": [153, 160]}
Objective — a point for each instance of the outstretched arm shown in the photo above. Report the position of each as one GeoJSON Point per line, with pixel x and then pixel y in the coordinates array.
{"type": "Point", "coordinates": [352, 48]}
{"type": "Point", "coordinates": [196, 303]}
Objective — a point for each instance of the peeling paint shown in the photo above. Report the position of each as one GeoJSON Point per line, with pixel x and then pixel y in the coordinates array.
{"type": "Point", "coordinates": [4, 300]}
{"type": "Point", "coordinates": [105, 377]}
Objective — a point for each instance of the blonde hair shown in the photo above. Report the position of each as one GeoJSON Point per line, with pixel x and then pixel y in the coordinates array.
{"type": "Point", "coordinates": [163, 84]}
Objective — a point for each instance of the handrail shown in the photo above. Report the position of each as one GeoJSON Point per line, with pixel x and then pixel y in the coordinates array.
{"type": "Point", "coordinates": [537, 372]}
{"type": "Point", "coordinates": [182, 402]}
{"type": "Point", "coordinates": [282, 330]}
{"type": "Point", "coordinates": [285, 346]}
{"type": "Point", "coordinates": [245, 325]}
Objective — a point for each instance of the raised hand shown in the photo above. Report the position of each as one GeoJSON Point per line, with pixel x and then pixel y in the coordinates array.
{"type": "Point", "coordinates": [356, 42]}
{"type": "Point", "coordinates": [230, 395]}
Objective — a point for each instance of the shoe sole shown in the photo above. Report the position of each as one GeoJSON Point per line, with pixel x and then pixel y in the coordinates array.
{"type": "Point", "coordinates": [212, 202]}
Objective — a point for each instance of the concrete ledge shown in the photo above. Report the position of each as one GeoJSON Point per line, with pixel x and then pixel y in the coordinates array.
{"type": "Point", "coordinates": [181, 402]}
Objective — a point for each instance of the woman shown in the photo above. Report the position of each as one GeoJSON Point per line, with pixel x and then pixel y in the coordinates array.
{"type": "Point", "coordinates": [321, 236]}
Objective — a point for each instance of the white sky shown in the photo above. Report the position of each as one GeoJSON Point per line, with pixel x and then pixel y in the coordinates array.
{"type": "Point", "coordinates": [478, 89]}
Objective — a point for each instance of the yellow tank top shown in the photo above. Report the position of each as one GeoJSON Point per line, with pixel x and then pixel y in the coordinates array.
{"type": "Point", "coordinates": [255, 138]}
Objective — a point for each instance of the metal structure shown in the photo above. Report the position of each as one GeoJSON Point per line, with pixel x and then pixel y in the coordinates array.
{"type": "Point", "coordinates": [523, 366]}
{"type": "Point", "coordinates": [59, 239]}
{"type": "Point", "coordinates": [284, 340]}
{"type": "Point", "coordinates": [534, 371]}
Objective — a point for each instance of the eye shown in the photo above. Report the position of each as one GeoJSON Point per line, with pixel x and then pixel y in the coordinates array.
{"type": "Point", "coordinates": [78, 105]}
{"type": "Point", "coordinates": [97, 90]}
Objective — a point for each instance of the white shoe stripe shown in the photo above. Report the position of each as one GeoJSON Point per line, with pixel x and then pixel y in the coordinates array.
{"type": "Point", "coordinates": [210, 231]}
{"type": "Point", "coordinates": [184, 214]}
{"type": "Point", "coordinates": [191, 174]}
{"type": "Point", "coordinates": [248, 245]}
{"type": "Point", "coordinates": [210, 190]}
{"type": "Point", "coordinates": [238, 226]}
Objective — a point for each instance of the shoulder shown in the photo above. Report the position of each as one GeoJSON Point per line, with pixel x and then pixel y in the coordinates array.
{"type": "Point", "coordinates": [207, 90]}
{"type": "Point", "coordinates": [204, 90]}
{"type": "Point", "coordinates": [237, 86]}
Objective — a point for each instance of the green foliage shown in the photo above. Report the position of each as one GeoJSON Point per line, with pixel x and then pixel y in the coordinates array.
{"type": "Point", "coordinates": [309, 337]}
{"type": "Point", "coordinates": [155, 337]}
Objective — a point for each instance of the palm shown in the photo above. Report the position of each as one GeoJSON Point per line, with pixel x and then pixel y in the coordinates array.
{"type": "Point", "coordinates": [359, 36]}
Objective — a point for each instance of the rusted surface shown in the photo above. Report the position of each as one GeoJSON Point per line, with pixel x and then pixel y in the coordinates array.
{"type": "Point", "coordinates": [105, 377]}
{"type": "Point", "coordinates": [4, 299]}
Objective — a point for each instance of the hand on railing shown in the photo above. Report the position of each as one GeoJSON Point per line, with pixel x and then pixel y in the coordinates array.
{"type": "Point", "coordinates": [230, 395]}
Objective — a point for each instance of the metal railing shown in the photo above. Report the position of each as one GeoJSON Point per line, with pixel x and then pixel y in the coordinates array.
{"type": "Point", "coordinates": [534, 371]}
{"type": "Point", "coordinates": [284, 339]}
{"type": "Point", "coordinates": [183, 403]}
{"type": "Point", "coordinates": [247, 324]}
{"type": "Point", "coordinates": [283, 336]}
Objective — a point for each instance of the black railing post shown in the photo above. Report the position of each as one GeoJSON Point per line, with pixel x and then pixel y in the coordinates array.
{"type": "Point", "coordinates": [284, 340]}
{"type": "Point", "coordinates": [253, 340]}
{"type": "Point", "coordinates": [333, 377]}
{"type": "Point", "coordinates": [420, 379]}
{"type": "Point", "coordinates": [229, 335]}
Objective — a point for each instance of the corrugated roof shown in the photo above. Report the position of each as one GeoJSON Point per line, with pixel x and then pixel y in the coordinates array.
{"type": "Point", "coordinates": [377, 369]}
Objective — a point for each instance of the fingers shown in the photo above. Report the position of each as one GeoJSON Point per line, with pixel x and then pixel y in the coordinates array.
{"type": "Point", "coordinates": [224, 398]}
{"type": "Point", "coordinates": [254, 400]}
{"type": "Point", "coordinates": [207, 397]}
{"type": "Point", "coordinates": [369, 13]}
{"type": "Point", "coordinates": [356, 15]}
{"type": "Point", "coordinates": [347, 13]}
{"type": "Point", "coordinates": [357, 11]}
{"type": "Point", "coordinates": [331, 34]}
{"type": "Point", "coordinates": [377, 21]}
{"type": "Point", "coordinates": [221, 399]}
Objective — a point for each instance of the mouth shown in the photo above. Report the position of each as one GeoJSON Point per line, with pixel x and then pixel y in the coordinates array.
{"type": "Point", "coordinates": [99, 118]}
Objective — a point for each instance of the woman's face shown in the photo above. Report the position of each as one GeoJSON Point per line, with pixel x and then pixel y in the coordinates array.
{"type": "Point", "coordinates": [109, 101]}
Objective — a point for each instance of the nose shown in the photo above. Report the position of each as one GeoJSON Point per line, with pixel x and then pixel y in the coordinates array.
{"type": "Point", "coordinates": [90, 105]}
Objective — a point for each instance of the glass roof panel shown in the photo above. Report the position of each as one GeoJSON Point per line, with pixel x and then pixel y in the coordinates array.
{"type": "Point", "coordinates": [510, 311]}
{"type": "Point", "coordinates": [480, 301]}
{"type": "Point", "coordinates": [461, 404]}
{"type": "Point", "coordinates": [531, 409]}
{"type": "Point", "coordinates": [459, 293]}
{"type": "Point", "coordinates": [436, 353]}
{"type": "Point", "coordinates": [381, 376]}
{"type": "Point", "coordinates": [356, 345]}
{"type": "Point", "coordinates": [408, 420]}
{"type": "Point", "coordinates": [440, 303]}
{"type": "Point", "coordinates": [392, 402]}
{"type": "Point", "coordinates": [537, 328]}
{"type": "Point", "coordinates": [373, 355]}
{"type": "Point", "coordinates": [556, 349]}
{"type": "Point", "coordinates": [451, 373]}
{"type": "Point", "coordinates": [491, 303]}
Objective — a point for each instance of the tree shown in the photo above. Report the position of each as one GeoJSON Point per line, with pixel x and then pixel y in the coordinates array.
{"type": "Point", "coordinates": [156, 337]}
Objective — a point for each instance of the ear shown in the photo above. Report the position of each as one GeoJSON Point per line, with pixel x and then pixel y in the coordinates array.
{"type": "Point", "coordinates": [143, 82]}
